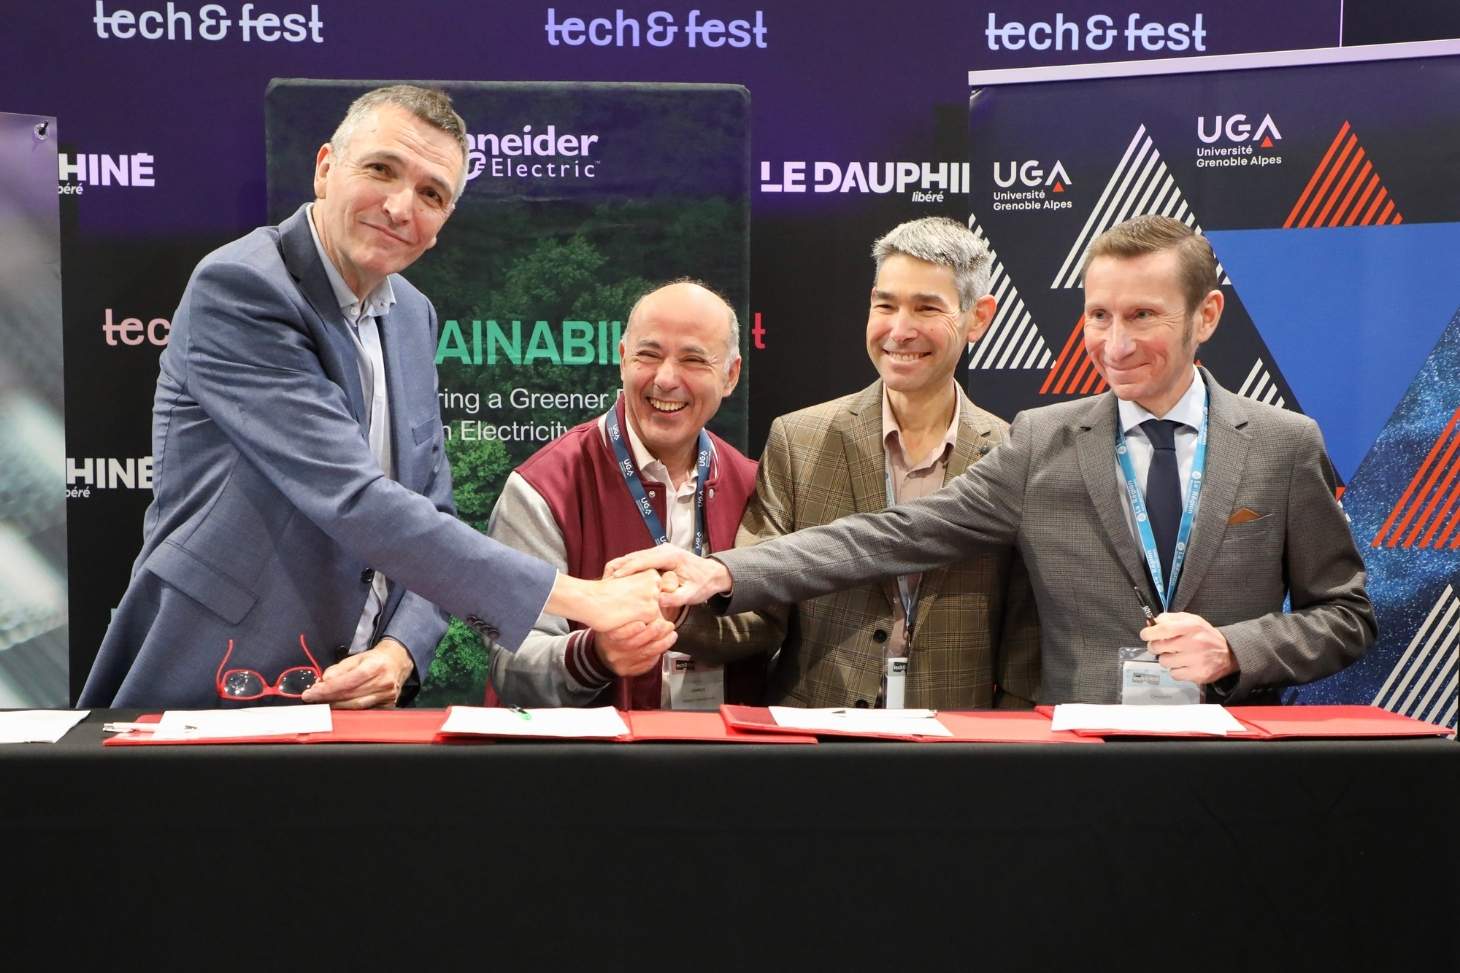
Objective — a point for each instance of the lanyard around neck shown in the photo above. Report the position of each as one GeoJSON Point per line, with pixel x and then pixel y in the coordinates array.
{"type": "Point", "coordinates": [1165, 588]}
{"type": "Point", "coordinates": [630, 472]}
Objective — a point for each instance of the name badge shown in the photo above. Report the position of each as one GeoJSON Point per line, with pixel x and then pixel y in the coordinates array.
{"type": "Point", "coordinates": [688, 684]}
{"type": "Point", "coordinates": [895, 687]}
{"type": "Point", "coordinates": [1144, 681]}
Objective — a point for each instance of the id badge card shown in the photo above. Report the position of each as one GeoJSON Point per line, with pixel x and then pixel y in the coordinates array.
{"type": "Point", "coordinates": [1144, 681]}
{"type": "Point", "coordinates": [688, 684]}
{"type": "Point", "coordinates": [894, 691]}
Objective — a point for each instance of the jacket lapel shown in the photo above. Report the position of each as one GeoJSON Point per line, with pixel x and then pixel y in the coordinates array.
{"type": "Point", "coordinates": [301, 259]}
{"type": "Point", "coordinates": [861, 433]}
{"type": "Point", "coordinates": [394, 350]}
{"type": "Point", "coordinates": [1095, 446]}
{"type": "Point", "coordinates": [1227, 445]}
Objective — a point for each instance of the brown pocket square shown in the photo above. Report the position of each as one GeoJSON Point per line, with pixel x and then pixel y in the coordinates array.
{"type": "Point", "coordinates": [1245, 515]}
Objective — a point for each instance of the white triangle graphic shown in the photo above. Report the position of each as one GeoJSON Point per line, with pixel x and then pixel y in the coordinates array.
{"type": "Point", "coordinates": [1012, 340]}
{"type": "Point", "coordinates": [1423, 681]}
{"type": "Point", "coordinates": [1140, 186]}
{"type": "Point", "coordinates": [1260, 387]}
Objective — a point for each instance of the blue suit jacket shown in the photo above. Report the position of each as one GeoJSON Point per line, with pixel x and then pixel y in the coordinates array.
{"type": "Point", "coordinates": [268, 506]}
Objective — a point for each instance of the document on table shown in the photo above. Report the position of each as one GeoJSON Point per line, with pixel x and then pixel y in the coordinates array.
{"type": "Point", "coordinates": [253, 721]}
{"type": "Point", "coordinates": [1204, 718]}
{"type": "Point", "coordinates": [38, 725]}
{"type": "Point", "coordinates": [897, 722]}
{"type": "Point", "coordinates": [600, 722]}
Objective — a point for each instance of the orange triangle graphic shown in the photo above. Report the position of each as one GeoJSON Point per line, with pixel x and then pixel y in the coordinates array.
{"type": "Point", "coordinates": [1059, 187]}
{"type": "Point", "coordinates": [1344, 190]}
{"type": "Point", "coordinates": [1073, 372]}
{"type": "Point", "coordinates": [1428, 512]}
{"type": "Point", "coordinates": [1267, 142]}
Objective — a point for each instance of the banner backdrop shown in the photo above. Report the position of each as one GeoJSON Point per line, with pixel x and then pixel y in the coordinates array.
{"type": "Point", "coordinates": [1317, 186]}
{"type": "Point", "coordinates": [580, 197]}
{"type": "Point", "coordinates": [33, 633]}
{"type": "Point", "coordinates": [859, 121]}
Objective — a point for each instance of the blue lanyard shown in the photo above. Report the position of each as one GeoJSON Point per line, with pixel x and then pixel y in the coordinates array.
{"type": "Point", "coordinates": [636, 486]}
{"type": "Point", "coordinates": [906, 593]}
{"type": "Point", "coordinates": [1165, 589]}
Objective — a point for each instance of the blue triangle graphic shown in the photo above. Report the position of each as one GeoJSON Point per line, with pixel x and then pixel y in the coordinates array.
{"type": "Point", "coordinates": [1349, 314]}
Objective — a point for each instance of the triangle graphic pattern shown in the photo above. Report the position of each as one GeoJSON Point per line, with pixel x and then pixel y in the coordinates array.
{"type": "Point", "coordinates": [1344, 190]}
{"type": "Point", "coordinates": [1012, 340]}
{"type": "Point", "coordinates": [1260, 387]}
{"type": "Point", "coordinates": [1423, 683]}
{"type": "Point", "coordinates": [1141, 185]}
{"type": "Point", "coordinates": [1073, 372]}
{"type": "Point", "coordinates": [1427, 515]}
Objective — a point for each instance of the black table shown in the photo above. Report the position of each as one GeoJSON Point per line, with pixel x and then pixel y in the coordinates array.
{"type": "Point", "coordinates": [1170, 855]}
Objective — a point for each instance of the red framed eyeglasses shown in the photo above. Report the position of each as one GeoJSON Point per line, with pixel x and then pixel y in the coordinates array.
{"type": "Point", "coordinates": [250, 684]}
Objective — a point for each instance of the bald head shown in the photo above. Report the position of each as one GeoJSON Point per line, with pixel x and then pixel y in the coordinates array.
{"type": "Point", "coordinates": [679, 358]}
{"type": "Point", "coordinates": [687, 300]}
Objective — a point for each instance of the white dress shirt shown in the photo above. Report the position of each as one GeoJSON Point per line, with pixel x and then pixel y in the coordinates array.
{"type": "Point", "coordinates": [1187, 411]}
{"type": "Point", "coordinates": [362, 320]}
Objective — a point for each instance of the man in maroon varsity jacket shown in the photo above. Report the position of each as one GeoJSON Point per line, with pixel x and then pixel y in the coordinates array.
{"type": "Point", "coordinates": [644, 473]}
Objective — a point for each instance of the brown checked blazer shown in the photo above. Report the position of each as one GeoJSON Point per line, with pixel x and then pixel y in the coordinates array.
{"type": "Point", "coordinates": [1268, 527]}
{"type": "Point", "coordinates": [976, 642]}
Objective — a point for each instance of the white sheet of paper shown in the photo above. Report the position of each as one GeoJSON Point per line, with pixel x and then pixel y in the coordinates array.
{"type": "Point", "coordinates": [38, 725]}
{"type": "Point", "coordinates": [1207, 718]}
{"type": "Point", "coordinates": [501, 721]}
{"type": "Point", "coordinates": [903, 722]}
{"type": "Point", "coordinates": [253, 721]}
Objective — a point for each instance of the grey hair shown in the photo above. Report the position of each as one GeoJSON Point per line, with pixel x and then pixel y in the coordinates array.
{"type": "Point", "coordinates": [947, 243]}
{"type": "Point", "coordinates": [733, 353]}
{"type": "Point", "coordinates": [430, 105]}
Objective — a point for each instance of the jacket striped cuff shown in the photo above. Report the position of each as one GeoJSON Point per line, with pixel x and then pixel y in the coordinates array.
{"type": "Point", "coordinates": [584, 663]}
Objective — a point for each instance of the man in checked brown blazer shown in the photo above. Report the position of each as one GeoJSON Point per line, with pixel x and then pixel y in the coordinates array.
{"type": "Point", "coordinates": [974, 641]}
{"type": "Point", "coordinates": [1264, 524]}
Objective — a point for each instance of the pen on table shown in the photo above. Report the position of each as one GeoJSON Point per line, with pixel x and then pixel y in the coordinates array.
{"type": "Point", "coordinates": [522, 712]}
{"type": "Point", "coordinates": [1145, 605]}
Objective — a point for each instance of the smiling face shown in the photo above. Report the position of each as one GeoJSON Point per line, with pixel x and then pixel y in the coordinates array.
{"type": "Point", "coordinates": [381, 200]}
{"type": "Point", "coordinates": [673, 364]}
{"type": "Point", "coordinates": [915, 332]}
{"type": "Point", "coordinates": [1138, 330]}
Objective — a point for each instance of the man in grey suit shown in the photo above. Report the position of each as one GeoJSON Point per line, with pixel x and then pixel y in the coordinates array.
{"type": "Point", "coordinates": [1232, 499]}
{"type": "Point", "coordinates": [302, 513]}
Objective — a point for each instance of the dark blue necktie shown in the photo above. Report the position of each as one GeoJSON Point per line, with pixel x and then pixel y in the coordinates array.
{"type": "Point", "coordinates": [1163, 489]}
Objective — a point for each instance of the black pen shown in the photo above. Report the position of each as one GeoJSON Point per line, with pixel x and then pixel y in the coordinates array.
{"type": "Point", "coordinates": [1145, 605]}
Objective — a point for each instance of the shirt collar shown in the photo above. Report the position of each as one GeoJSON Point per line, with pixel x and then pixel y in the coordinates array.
{"type": "Point", "coordinates": [1187, 410]}
{"type": "Point", "coordinates": [892, 432]}
{"type": "Point", "coordinates": [376, 303]}
{"type": "Point", "coordinates": [648, 466]}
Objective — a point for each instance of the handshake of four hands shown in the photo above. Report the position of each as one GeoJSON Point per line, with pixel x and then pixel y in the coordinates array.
{"type": "Point", "coordinates": [633, 610]}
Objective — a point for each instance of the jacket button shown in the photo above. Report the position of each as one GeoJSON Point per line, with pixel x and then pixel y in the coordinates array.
{"type": "Point", "coordinates": [367, 576]}
{"type": "Point", "coordinates": [341, 651]}
{"type": "Point", "coordinates": [880, 635]}
{"type": "Point", "coordinates": [860, 704]}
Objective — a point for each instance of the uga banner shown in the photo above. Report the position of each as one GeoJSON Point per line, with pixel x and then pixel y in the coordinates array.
{"type": "Point", "coordinates": [1322, 179]}
{"type": "Point", "coordinates": [579, 197]}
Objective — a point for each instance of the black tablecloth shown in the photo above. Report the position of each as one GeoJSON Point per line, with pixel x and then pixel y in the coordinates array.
{"type": "Point", "coordinates": [1173, 855]}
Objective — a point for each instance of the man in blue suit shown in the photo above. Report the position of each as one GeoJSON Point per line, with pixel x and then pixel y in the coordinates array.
{"type": "Point", "coordinates": [302, 514]}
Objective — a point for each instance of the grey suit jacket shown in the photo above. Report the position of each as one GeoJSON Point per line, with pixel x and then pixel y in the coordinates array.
{"type": "Point", "coordinates": [1051, 489]}
{"type": "Point", "coordinates": [269, 508]}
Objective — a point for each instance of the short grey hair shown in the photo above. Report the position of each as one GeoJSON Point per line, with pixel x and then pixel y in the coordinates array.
{"type": "Point", "coordinates": [733, 341]}
{"type": "Point", "coordinates": [430, 105]}
{"type": "Point", "coordinates": [947, 243]}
